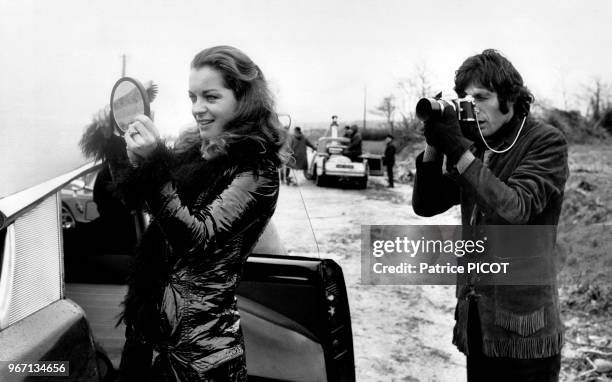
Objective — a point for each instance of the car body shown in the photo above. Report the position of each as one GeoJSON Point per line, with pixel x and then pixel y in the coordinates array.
{"type": "Point", "coordinates": [60, 291]}
{"type": "Point", "coordinates": [329, 164]}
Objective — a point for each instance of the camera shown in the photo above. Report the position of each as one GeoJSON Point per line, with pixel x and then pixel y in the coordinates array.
{"type": "Point", "coordinates": [433, 108]}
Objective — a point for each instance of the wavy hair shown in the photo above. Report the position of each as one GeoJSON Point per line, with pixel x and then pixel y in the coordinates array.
{"type": "Point", "coordinates": [495, 72]}
{"type": "Point", "coordinates": [255, 128]}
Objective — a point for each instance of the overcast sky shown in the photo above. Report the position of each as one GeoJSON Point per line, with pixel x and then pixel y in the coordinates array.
{"type": "Point", "coordinates": [59, 59]}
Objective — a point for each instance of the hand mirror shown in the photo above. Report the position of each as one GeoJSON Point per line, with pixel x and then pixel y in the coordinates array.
{"type": "Point", "coordinates": [128, 99]}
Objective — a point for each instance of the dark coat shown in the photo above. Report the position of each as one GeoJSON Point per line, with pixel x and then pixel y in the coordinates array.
{"type": "Point", "coordinates": [354, 146]}
{"type": "Point", "coordinates": [523, 186]}
{"type": "Point", "coordinates": [389, 158]}
{"type": "Point", "coordinates": [207, 216]}
{"type": "Point", "coordinates": [298, 144]}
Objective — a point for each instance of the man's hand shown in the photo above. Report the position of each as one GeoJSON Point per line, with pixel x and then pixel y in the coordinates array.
{"type": "Point", "coordinates": [445, 135]}
{"type": "Point", "coordinates": [141, 139]}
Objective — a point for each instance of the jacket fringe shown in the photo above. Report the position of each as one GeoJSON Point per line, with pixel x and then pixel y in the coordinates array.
{"type": "Point", "coordinates": [524, 348]}
{"type": "Point", "coordinates": [523, 324]}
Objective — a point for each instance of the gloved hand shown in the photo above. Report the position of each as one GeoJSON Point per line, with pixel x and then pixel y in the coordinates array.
{"type": "Point", "coordinates": [445, 135]}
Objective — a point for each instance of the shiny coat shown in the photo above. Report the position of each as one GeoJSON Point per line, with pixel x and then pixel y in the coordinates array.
{"type": "Point", "coordinates": [523, 186]}
{"type": "Point", "coordinates": [207, 215]}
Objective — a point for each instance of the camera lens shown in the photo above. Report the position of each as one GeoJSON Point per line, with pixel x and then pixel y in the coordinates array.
{"type": "Point", "coordinates": [427, 108]}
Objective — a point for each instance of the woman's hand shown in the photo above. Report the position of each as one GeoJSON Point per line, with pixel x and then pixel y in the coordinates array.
{"type": "Point", "coordinates": [141, 139]}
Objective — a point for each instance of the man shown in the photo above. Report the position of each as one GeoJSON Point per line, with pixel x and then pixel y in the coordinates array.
{"type": "Point", "coordinates": [353, 150]}
{"type": "Point", "coordinates": [389, 158]}
{"type": "Point", "coordinates": [284, 169]}
{"type": "Point", "coordinates": [332, 131]}
{"type": "Point", "coordinates": [515, 176]}
{"type": "Point", "coordinates": [298, 147]}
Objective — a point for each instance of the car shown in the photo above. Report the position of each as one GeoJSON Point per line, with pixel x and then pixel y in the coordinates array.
{"type": "Point", "coordinates": [62, 282]}
{"type": "Point", "coordinates": [329, 164]}
{"type": "Point", "coordinates": [78, 206]}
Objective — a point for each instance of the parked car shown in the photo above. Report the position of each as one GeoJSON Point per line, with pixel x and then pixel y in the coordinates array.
{"type": "Point", "coordinates": [60, 293]}
{"type": "Point", "coordinates": [78, 206]}
{"type": "Point", "coordinates": [329, 164]}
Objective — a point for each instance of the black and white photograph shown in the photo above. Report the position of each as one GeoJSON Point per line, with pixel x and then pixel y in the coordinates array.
{"type": "Point", "coordinates": [306, 191]}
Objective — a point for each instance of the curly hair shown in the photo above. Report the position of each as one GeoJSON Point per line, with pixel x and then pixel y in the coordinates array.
{"type": "Point", "coordinates": [495, 72]}
{"type": "Point", "coordinates": [255, 125]}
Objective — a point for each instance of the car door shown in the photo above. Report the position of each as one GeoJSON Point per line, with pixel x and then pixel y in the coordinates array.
{"type": "Point", "coordinates": [294, 309]}
{"type": "Point", "coordinates": [42, 333]}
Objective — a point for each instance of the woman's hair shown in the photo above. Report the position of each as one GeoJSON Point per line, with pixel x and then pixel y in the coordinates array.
{"type": "Point", "coordinates": [493, 71]}
{"type": "Point", "coordinates": [255, 127]}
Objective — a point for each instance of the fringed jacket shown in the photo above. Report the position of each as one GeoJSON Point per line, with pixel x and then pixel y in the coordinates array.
{"type": "Point", "coordinates": [523, 186]}
{"type": "Point", "coordinates": [207, 215]}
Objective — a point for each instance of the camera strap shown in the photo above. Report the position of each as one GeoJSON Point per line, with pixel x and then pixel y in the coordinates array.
{"type": "Point", "coordinates": [507, 148]}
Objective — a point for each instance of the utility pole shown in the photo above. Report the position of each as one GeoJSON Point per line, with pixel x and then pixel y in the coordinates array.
{"type": "Point", "coordinates": [123, 65]}
{"type": "Point", "coordinates": [365, 93]}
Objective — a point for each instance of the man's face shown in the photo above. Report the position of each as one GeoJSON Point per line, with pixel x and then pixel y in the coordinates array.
{"type": "Point", "coordinates": [489, 117]}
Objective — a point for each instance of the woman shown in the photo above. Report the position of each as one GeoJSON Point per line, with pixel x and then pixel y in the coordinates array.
{"type": "Point", "coordinates": [210, 199]}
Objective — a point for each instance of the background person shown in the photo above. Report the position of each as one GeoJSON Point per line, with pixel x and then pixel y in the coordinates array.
{"type": "Point", "coordinates": [353, 150]}
{"type": "Point", "coordinates": [210, 199]}
{"type": "Point", "coordinates": [285, 169]}
{"type": "Point", "coordinates": [298, 144]}
{"type": "Point", "coordinates": [508, 333]}
{"type": "Point", "coordinates": [332, 131]}
{"type": "Point", "coordinates": [389, 158]}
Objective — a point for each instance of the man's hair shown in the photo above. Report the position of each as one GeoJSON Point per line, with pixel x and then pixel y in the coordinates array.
{"type": "Point", "coordinates": [490, 69]}
{"type": "Point", "coordinates": [389, 136]}
{"type": "Point", "coordinates": [255, 116]}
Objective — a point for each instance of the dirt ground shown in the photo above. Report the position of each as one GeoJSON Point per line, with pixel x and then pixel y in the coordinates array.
{"type": "Point", "coordinates": [400, 333]}
{"type": "Point", "coordinates": [585, 279]}
{"type": "Point", "coordinates": [403, 333]}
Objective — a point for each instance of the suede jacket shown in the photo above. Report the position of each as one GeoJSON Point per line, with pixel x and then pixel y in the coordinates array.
{"type": "Point", "coordinates": [206, 217]}
{"type": "Point", "coordinates": [523, 186]}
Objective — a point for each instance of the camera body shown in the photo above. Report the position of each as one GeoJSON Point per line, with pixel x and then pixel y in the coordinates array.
{"type": "Point", "coordinates": [433, 108]}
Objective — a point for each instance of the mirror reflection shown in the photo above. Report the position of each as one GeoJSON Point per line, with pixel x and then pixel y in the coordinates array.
{"type": "Point", "coordinates": [128, 100]}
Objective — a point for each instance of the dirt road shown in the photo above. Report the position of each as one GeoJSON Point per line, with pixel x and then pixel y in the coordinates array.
{"type": "Point", "coordinates": [400, 333]}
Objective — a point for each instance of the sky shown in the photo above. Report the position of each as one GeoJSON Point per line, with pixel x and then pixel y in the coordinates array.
{"type": "Point", "coordinates": [59, 59]}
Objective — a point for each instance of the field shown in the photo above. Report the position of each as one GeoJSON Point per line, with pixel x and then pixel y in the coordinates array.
{"type": "Point", "coordinates": [403, 332]}
{"type": "Point", "coordinates": [585, 252]}
{"type": "Point", "coordinates": [585, 240]}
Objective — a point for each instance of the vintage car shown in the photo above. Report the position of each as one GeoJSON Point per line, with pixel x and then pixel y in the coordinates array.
{"type": "Point", "coordinates": [329, 164]}
{"type": "Point", "coordinates": [60, 291]}
{"type": "Point", "coordinates": [78, 206]}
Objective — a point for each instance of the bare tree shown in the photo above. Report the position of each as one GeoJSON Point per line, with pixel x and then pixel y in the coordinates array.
{"type": "Point", "coordinates": [599, 100]}
{"type": "Point", "coordinates": [387, 109]}
{"type": "Point", "coordinates": [413, 88]}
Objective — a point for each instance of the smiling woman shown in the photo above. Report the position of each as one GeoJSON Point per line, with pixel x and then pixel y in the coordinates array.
{"type": "Point", "coordinates": [210, 202]}
{"type": "Point", "coordinates": [213, 105]}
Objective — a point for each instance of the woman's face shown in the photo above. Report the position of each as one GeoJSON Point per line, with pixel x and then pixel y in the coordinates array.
{"type": "Point", "coordinates": [212, 104]}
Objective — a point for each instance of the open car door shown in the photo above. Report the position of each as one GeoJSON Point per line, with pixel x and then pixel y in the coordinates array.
{"type": "Point", "coordinates": [294, 310]}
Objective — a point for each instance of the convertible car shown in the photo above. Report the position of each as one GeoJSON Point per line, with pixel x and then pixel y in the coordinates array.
{"type": "Point", "coordinates": [63, 274]}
